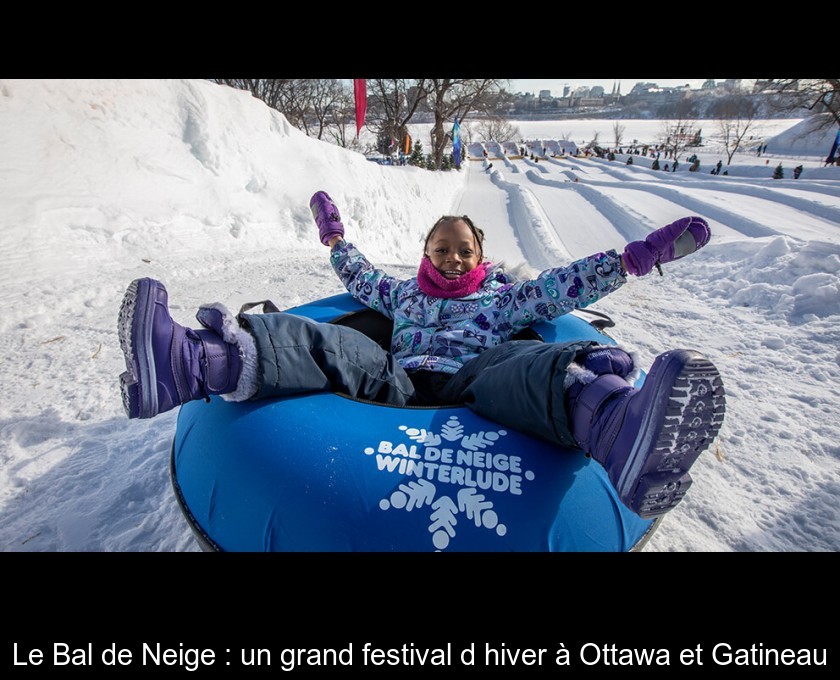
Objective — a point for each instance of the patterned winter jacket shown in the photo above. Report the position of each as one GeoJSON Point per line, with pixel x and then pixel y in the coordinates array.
{"type": "Point", "coordinates": [439, 334]}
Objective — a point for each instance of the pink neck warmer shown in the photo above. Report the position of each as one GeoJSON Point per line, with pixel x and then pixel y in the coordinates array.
{"type": "Point", "coordinates": [433, 283]}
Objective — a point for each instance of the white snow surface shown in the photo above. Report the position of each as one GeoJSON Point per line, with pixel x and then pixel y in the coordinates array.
{"type": "Point", "coordinates": [207, 189]}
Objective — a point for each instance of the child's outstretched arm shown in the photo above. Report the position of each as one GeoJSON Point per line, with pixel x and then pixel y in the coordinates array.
{"type": "Point", "coordinates": [558, 291]}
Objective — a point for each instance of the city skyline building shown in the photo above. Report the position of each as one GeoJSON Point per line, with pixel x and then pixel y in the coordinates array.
{"type": "Point", "coordinates": [561, 87]}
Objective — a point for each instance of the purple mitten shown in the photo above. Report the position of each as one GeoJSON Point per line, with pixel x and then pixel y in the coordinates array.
{"type": "Point", "coordinates": [667, 244]}
{"type": "Point", "coordinates": [326, 216]}
{"type": "Point", "coordinates": [639, 258]}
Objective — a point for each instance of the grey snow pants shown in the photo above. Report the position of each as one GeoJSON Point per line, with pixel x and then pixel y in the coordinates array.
{"type": "Point", "coordinates": [519, 384]}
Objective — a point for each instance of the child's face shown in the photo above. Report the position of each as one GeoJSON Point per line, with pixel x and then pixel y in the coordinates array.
{"type": "Point", "coordinates": [452, 249]}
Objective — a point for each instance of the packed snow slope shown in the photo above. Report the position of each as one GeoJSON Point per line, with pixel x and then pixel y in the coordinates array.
{"type": "Point", "coordinates": [207, 189]}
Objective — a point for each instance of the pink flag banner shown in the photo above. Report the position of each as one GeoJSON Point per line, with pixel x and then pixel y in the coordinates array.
{"type": "Point", "coordinates": [360, 94]}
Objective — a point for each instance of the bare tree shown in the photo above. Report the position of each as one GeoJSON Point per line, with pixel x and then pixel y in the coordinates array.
{"type": "Point", "coordinates": [392, 103]}
{"type": "Point", "coordinates": [736, 116]}
{"type": "Point", "coordinates": [308, 104]}
{"type": "Point", "coordinates": [329, 104]}
{"type": "Point", "coordinates": [340, 120]}
{"type": "Point", "coordinates": [295, 102]}
{"type": "Point", "coordinates": [813, 95]}
{"type": "Point", "coordinates": [290, 96]}
{"type": "Point", "coordinates": [451, 98]}
{"type": "Point", "coordinates": [269, 90]}
{"type": "Point", "coordinates": [497, 128]}
{"type": "Point", "coordinates": [618, 133]}
{"type": "Point", "coordinates": [678, 134]}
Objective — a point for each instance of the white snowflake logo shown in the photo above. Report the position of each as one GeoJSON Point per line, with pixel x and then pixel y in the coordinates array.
{"type": "Point", "coordinates": [454, 458]}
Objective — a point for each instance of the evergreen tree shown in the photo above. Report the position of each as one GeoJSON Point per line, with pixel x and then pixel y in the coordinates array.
{"type": "Point", "coordinates": [778, 173]}
{"type": "Point", "coordinates": [417, 156]}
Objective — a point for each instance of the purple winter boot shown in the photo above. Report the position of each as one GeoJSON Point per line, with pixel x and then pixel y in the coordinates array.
{"type": "Point", "coordinates": [648, 438]}
{"type": "Point", "coordinates": [168, 364]}
{"type": "Point", "coordinates": [326, 216]}
{"type": "Point", "coordinates": [667, 244]}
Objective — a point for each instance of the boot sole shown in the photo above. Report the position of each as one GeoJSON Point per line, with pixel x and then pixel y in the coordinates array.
{"type": "Point", "coordinates": [676, 429]}
{"type": "Point", "coordinates": [140, 399]}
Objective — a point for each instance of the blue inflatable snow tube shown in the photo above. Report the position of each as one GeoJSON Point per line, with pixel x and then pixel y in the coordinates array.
{"type": "Point", "coordinates": [324, 472]}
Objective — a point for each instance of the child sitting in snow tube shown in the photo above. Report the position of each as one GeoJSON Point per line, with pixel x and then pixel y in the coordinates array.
{"type": "Point", "coordinates": [450, 326]}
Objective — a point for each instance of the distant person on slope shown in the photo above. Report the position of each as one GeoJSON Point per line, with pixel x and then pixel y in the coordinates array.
{"type": "Point", "coordinates": [453, 324]}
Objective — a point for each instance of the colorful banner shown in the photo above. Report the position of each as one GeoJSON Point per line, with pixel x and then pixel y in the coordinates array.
{"type": "Point", "coordinates": [830, 158]}
{"type": "Point", "coordinates": [456, 144]}
{"type": "Point", "coordinates": [360, 94]}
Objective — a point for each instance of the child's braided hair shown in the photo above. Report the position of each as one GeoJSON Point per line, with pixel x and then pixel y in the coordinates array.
{"type": "Point", "coordinates": [476, 232]}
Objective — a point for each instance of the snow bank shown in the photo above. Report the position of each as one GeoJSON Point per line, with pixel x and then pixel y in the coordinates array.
{"type": "Point", "coordinates": [786, 278]}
